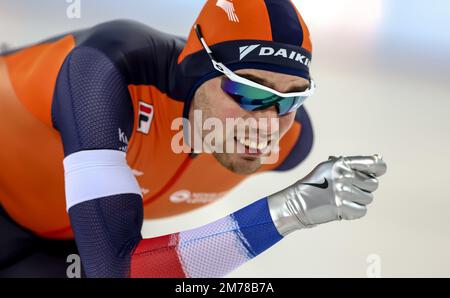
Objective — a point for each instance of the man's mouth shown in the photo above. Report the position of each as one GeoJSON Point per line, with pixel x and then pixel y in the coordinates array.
{"type": "Point", "coordinates": [252, 147]}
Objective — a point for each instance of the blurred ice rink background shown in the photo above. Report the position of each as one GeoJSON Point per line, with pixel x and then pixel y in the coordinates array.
{"type": "Point", "coordinates": [383, 74]}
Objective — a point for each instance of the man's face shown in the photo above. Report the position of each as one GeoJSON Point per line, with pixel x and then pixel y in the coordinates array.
{"type": "Point", "coordinates": [212, 101]}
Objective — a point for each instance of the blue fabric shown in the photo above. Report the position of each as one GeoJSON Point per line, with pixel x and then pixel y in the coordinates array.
{"type": "Point", "coordinates": [91, 103]}
{"type": "Point", "coordinates": [256, 227]}
{"type": "Point", "coordinates": [26, 255]}
{"type": "Point", "coordinates": [92, 109]}
{"type": "Point", "coordinates": [106, 231]}
{"type": "Point", "coordinates": [143, 55]}
{"type": "Point", "coordinates": [286, 27]}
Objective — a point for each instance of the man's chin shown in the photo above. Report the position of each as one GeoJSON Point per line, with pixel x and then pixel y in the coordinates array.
{"type": "Point", "coordinates": [239, 163]}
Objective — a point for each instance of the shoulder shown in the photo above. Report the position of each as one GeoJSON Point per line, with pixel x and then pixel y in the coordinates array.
{"type": "Point", "coordinates": [91, 105]}
{"type": "Point", "coordinates": [142, 54]}
{"type": "Point", "coordinates": [122, 39]}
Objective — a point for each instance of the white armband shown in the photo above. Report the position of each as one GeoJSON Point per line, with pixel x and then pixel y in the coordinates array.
{"type": "Point", "coordinates": [95, 174]}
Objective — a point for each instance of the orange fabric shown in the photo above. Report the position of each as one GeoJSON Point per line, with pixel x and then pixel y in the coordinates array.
{"type": "Point", "coordinates": [254, 23]}
{"type": "Point", "coordinates": [32, 187]}
{"type": "Point", "coordinates": [33, 72]}
{"type": "Point", "coordinates": [32, 175]}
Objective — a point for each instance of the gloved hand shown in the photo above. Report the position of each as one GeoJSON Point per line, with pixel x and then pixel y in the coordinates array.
{"type": "Point", "coordinates": [339, 188]}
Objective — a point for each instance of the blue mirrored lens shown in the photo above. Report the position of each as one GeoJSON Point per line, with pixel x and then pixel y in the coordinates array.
{"type": "Point", "coordinates": [251, 98]}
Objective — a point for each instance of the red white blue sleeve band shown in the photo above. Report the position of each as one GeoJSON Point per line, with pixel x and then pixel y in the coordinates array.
{"type": "Point", "coordinates": [213, 250]}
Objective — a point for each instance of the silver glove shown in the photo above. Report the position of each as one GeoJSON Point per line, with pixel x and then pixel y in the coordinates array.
{"type": "Point", "coordinates": [339, 188]}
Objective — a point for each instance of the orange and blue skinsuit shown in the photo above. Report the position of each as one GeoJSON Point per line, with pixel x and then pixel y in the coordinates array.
{"type": "Point", "coordinates": [111, 92]}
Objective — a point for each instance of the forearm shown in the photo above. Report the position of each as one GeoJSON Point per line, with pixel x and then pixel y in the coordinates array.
{"type": "Point", "coordinates": [212, 250]}
{"type": "Point", "coordinates": [107, 230]}
{"type": "Point", "coordinates": [218, 248]}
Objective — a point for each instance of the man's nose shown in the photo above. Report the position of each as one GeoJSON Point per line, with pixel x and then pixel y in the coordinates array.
{"type": "Point", "coordinates": [267, 120]}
